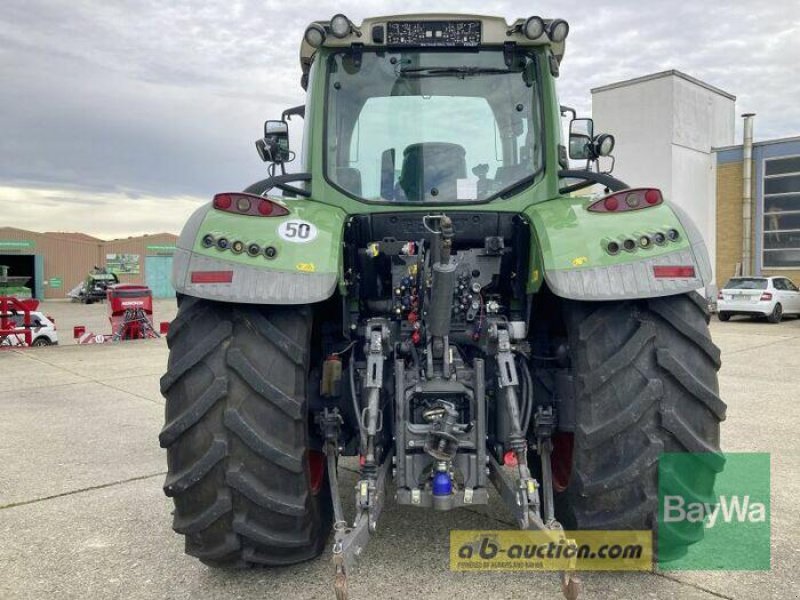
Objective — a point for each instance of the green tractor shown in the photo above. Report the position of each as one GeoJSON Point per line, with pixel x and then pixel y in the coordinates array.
{"type": "Point", "coordinates": [428, 293]}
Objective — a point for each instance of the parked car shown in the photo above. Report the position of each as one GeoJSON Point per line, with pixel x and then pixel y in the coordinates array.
{"type": "Point", "coordinates": [43, 330]}
{"type": "Point", "coordinates": [770, 297]}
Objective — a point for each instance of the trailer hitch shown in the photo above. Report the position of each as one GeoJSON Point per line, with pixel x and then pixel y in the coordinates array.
{"type": "Point", "coordinates": [349, 541]}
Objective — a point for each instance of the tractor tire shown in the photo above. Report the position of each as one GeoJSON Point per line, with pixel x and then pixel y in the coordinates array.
{"type": "Point", "coordinates": [247, 485]}
{"type": "Point", "coordinates": [645, 384]}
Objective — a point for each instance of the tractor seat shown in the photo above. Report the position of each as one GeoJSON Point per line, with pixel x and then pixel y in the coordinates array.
{"type": "Point", "coordinates": [430, 171]}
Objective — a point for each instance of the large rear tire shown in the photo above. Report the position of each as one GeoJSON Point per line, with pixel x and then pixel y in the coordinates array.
{"type": "Point", "coordinates": [646, 384]}
{"type": "Point", "coordinates": [248, 488]}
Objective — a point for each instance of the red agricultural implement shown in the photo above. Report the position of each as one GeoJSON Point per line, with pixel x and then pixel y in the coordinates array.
{"type": "Point", "coordinates": [15, 321]}
{"type": "Point", "coordinates": [130, 311]}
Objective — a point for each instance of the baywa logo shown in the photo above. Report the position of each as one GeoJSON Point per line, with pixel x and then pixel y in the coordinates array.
{"type": "Point", "coordinates": [714, 511]}
{"type": "Point", "coordinates": [730, 508]}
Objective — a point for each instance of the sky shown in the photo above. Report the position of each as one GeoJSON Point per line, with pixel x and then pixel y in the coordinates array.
{"type": "Point", "coordinates": [120, 117]}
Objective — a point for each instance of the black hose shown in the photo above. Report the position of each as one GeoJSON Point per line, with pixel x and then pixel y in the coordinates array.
{"type": "Point", "coordinates": [524, 395]}
{"type": "Point", "coordinates": [354, 397]}
{"type": "Point", "coordinates": [528, 378]}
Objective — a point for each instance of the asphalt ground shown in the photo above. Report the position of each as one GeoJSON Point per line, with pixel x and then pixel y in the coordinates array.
{"type": "Point", "coordinates": [82, 514]}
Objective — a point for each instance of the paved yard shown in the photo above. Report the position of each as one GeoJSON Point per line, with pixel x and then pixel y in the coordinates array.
{"type": "Point", "coordinates": [82, 514]}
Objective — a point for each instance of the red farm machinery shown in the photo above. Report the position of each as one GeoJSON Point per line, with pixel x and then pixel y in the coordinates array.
{"type": "Point", "coordinates": [16, 322]}
{"type": "Point", "coordinates": [130, 312]}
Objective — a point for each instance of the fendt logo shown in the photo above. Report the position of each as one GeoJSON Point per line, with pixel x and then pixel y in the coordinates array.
{"type": "Point", "coordinates": [730, 508]}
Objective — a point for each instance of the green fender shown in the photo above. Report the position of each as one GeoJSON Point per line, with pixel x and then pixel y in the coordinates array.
{"type": "Point", "coordinates": [305, 267]}
{"type": "Point", "coordinates": [569, 246]}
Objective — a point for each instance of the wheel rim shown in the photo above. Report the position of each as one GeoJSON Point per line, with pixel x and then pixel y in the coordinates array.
{"type": "Point", "coordinates": [316, 470]}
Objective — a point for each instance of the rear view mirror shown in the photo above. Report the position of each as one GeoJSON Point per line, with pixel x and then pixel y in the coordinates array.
{"type": "Point", "coordinates": [581, 133]}
{"type": "Point", "coordinates": [274, 146]}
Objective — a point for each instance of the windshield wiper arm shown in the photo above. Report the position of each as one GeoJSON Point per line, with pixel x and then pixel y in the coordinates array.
{"type": "Point", "coordinates": [455, 71]}
{"type": "Point", "coordinates": [512, 189]}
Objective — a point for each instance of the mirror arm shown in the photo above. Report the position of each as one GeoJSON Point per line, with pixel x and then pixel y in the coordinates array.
{"type": "Point", "coordinates": [281, 182]}
{"type": "Point", "coordinates": [590, 177]}
{"type": "Point", "coordinates": [299, 111]}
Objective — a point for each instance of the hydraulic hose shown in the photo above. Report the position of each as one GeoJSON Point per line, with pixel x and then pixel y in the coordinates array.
{"type": "Point", "coordinates": [356, 410]}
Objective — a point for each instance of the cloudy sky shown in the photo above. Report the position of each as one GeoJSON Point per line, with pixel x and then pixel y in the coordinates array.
{"type": "Point", "coordinates": [117, 117]}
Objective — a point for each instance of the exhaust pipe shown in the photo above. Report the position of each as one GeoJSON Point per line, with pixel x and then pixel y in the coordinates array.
{"type": "Point", "coordinates": [747, 194]}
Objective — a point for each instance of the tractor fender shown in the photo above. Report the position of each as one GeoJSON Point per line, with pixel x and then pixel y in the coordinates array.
{"type": "Point", "coordinates": [570, 246]}
{"type": "Point", "coordinates": [299, 260]}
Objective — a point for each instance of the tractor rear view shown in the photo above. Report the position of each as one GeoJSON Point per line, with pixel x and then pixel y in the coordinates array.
{"type": "Point", "coordinates": [428, 295]}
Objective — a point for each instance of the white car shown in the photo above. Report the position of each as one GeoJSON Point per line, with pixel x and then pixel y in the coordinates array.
{"type": "Point", "coordinates": [43, 330]}
{"type": "Point", "coordinates": [770, 297]}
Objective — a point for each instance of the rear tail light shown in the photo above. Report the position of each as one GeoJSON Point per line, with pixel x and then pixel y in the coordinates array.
{"type": "Point", "coordinates": [632, 199]}
{"type": "Point", "coordinates": [673, 272]}
{"type": "Point", "coordinates": [249, 204]}
{"type": "Point", "coordinates": [766, 297]}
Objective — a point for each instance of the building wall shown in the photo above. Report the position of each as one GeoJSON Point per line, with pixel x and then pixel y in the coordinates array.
{"type": "Point", "coordinates": [729, 220]}
{"type": "Point", "coordinates": [137, 246]}
{"type": "Point", "coordinates": [68, 258]}
{"type": "Point", "coordinates": [729, 207]}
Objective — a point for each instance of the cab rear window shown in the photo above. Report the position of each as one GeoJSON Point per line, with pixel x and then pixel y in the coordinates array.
{"type": "Point", "coordinates": [746, 283]}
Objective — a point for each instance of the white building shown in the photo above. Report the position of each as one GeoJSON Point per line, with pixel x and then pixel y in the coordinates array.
{"type": "Point", "coordinates": [665, 126]}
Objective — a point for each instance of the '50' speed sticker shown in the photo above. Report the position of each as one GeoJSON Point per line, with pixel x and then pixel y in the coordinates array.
{"type": "Point", "coordinates": [297, 231]}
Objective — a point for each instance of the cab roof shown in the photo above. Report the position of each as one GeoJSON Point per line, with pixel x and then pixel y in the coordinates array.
{"type": "Point", "coordinates": [373, 32]}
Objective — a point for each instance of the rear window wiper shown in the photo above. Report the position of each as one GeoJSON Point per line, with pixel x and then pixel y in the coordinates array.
{"type": "Point", "coordinates": [453, 71]}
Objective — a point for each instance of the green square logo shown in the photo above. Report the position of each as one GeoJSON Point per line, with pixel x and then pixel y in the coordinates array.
{"type": "Point", "coordinates": [714, 511]}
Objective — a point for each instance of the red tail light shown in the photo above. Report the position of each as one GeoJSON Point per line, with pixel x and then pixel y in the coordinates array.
{"type": "Point", "coordinates": [249, 204]}
{"type": "Point", "coordinates": [673, 272]}
{"type": "Point", "coordinates": [632, 199]}
{"type": "Point", "coordinates": [766, 296]}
